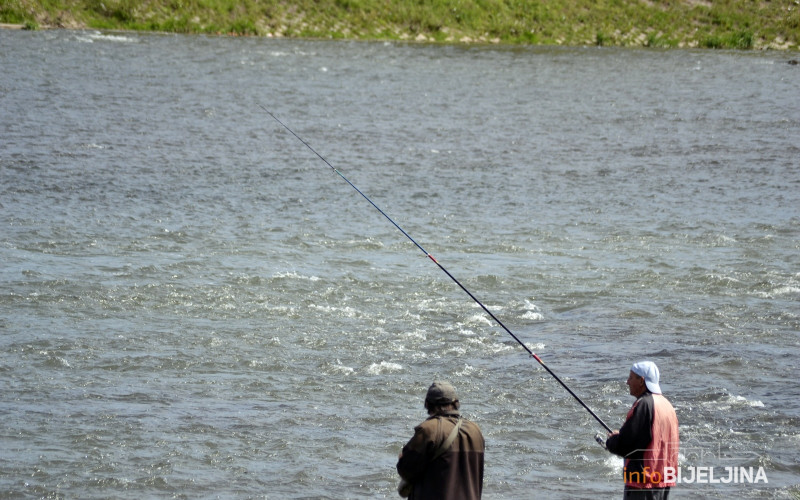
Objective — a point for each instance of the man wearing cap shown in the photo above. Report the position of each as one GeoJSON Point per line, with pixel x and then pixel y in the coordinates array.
{"type": "Point", "coordinates": [648, 440]}
{"type": "Point", "coordinates": [444, 459]}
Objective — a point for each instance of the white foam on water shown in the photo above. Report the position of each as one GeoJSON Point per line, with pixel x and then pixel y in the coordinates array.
{"type": "Point", "coordinates": [534, 316]}
{"type": "Point", "coordinates": [417, 334]}
{"type": "Point", "coordinates": [468, 370]}
{"type": "Point", "coordinates": [347, 311]}
{"type": "Point", "coordinates": [743, 400]}
{"type": "Point", "coordinates": [98, 36]}
{"type": "Point", "coordinates": [613, 464]}
{"type": "Point", "coordinates": [342, 369]}
{"type": "Point", "coordinates": [479, 318]}
{"type": "Point", "coordinates": [383, 367]}
{"type": "Point", "coordinates": [294, 275]}
{"type": "Point", "coordinates": [731, 401]}
{"type": "Point", "coordinates": [466, 332]}
{"type": "Point", "coordinates": [786, 290]}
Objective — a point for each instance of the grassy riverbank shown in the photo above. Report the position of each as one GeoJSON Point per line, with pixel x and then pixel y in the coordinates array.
{"type": "Point", "coordinates": [737, 24]}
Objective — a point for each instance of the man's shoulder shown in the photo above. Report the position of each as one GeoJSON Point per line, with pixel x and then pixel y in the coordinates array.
{"type": "Point", "coordinates": [469, 423]}
{"type": "Point", "coordinates": [644, 405]}
{"type": "Point", "coordinates": [432, 422]}
{"type": "Point", "coordinates": [645, 399]}
{"type": "Point", "coordinates": [663, 404]}
{"type": "Point", "coordinates": [436, 421]}
{"type": "Point", "coordinates": [472, 428]}
{"type": "Point", "coordinates": [655, 401]}
{"type": "Point", "coordinates": [662, 398]}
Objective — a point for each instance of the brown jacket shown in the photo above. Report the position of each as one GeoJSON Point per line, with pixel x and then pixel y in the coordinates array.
{"type": "Point", "coordinates": [455, 475]}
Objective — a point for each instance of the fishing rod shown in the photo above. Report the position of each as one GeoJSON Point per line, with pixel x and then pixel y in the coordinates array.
{"type": "Point", "coordinates": [431, 257]}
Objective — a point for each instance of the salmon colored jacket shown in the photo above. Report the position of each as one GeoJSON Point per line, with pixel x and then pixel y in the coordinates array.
{"type": "Point", "coordinates": [649, 442]}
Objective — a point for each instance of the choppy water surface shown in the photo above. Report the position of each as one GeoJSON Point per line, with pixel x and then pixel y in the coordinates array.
{"type": "Point", "coordinates": [193, 305]}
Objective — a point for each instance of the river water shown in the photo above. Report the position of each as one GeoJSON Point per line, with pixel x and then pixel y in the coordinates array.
{"type": "Point", "coordinates": [194, 305]}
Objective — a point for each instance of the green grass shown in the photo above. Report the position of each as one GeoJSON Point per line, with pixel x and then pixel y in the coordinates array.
{"type": "Point", "coordinates": [730, 24]}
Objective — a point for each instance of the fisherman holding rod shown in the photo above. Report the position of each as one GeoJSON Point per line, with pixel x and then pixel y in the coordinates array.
{"type": "Point", "coordinates": [648, 440]}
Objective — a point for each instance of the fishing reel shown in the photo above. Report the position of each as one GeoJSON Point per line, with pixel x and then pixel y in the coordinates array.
{"type": "Point", "coordinates": [600, 440]}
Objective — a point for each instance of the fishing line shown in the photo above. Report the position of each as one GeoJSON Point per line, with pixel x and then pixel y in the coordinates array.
{"type": "Point", "coordinates": [431, 257]}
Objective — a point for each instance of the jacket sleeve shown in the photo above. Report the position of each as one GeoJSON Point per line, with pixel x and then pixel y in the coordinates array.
{"type": "Point", "coordinates": [636, 433]}
{"type": "Point", "coordinates": [416, 453]}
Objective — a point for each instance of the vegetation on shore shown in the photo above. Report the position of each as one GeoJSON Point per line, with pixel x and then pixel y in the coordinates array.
{"type": "Point", "coordinates": [735, 24]}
